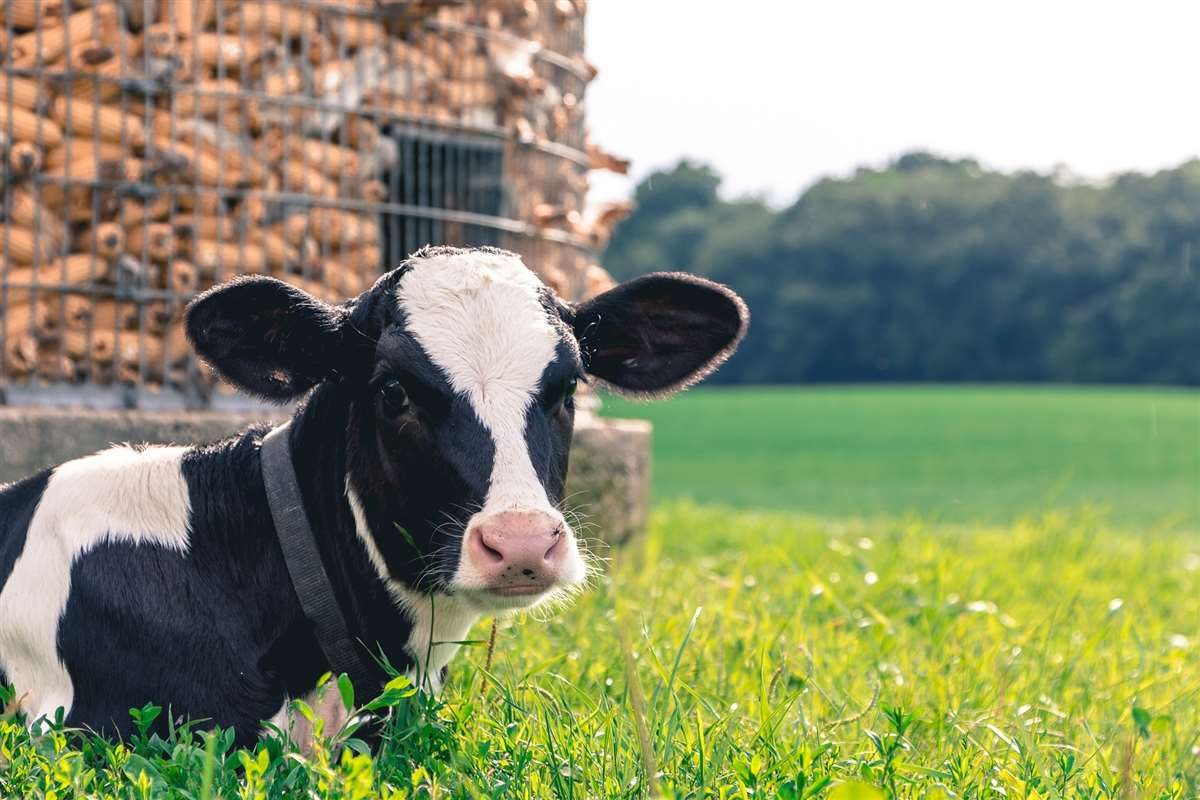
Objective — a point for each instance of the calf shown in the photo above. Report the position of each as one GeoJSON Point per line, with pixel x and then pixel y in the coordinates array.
{"type": "Point", "coordinates": [428, 457]}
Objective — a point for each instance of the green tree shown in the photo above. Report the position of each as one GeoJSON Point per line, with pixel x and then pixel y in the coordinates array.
{"type": "Point", "coordinates": [936, 269]}
{"type": "Point", "coordinates": [666, 229]}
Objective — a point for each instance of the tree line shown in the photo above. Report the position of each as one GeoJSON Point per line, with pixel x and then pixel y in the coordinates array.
{"type": "Point", "coordinates": [934, 269]}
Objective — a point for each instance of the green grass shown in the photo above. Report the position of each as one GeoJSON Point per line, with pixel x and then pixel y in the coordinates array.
{"type": "Point", "coordinates": [778, 656]}
{"type": "Point", "coordinates": [961, 454]}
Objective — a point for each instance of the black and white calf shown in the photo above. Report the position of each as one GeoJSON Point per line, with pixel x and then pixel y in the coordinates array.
{"type": "Point", "coordinates": [430, 454]}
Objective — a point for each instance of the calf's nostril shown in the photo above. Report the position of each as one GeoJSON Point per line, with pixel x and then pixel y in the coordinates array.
{"type": "Point", "coordinates": [552, 550]}
{"type": "Point", "coordinates": [490, 552]}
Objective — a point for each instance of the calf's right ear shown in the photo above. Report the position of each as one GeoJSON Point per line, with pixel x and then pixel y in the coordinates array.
{"type": "Point", "coordinates": [659, 333]}
{"type": "Point", "coordinates": [266, 337]}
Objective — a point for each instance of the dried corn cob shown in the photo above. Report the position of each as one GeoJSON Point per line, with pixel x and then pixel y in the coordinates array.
{"type": "Point", "coordinates": [30, 13]}
{"type": "Point", "coordinates": [273, 18]}
{"type": "Point", "coordinates": [215, 259]}
{"type": "Point", "coordinates": [79, 269]}
{"type": "Point", "coordinates": [24, 159]}
{"type": "Point", "coordinates": [46, 43]}
{"type": "Point", "coordinates": [156, 241]}
{"type": "Point", "coordinates": [17, 91]}
{"type": "Point", "coordinates": [102, 122]}
{"type": "Point", "coordinates": [26, 126]}
{"type": "Point", "coordinates": [22, 246]}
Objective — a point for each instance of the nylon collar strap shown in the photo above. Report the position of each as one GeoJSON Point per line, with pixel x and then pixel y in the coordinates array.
{"type": "Point", "coordinates": [309, 578]}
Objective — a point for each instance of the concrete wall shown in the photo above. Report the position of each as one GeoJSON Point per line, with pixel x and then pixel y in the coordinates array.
{"type": "Point", "coordinates": [608, 481]}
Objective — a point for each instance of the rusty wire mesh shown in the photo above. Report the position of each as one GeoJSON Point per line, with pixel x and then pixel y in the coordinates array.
{"type": "Point", "coordinates": [154, 148]}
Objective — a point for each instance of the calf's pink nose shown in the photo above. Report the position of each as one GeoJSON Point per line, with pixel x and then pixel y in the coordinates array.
{"type": "Point", "coordinates": [515, 549]}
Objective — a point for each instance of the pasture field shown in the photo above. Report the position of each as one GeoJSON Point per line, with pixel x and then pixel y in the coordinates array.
{"type": "Point", "coordinates": [959, 454]}
{"type": "Point", "coordinates": [737, 654]}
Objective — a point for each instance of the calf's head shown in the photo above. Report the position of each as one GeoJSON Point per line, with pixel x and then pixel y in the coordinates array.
{"type": "Point", "coordinates": [455, 375]}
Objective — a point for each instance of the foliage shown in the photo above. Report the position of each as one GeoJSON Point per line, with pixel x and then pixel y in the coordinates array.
{"type": "Point", "coordinates": [776, 657]}
{"type": "Point", "coordinates": [939, 270]}
{"type": "Point", "coordinates": [961, 454]}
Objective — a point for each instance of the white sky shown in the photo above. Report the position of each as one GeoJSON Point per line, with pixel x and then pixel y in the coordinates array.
{"type": "Point", "coordinates": [778, 93]}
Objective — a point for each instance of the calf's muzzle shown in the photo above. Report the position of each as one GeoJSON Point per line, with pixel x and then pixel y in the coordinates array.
{"type": "Point", "coordinates": [518, 552]}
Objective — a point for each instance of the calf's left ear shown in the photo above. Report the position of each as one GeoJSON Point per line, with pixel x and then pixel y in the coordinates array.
{"type": "Point", "coordinates": [266, 337]}
{"type": "Point", "coordinates": [659, 333]}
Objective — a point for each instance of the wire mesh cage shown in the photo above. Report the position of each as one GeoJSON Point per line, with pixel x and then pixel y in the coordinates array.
{"type": "Point", "coordinates": [154, 148]}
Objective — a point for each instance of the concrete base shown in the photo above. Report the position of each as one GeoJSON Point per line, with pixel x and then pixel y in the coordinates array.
{"type": "Point", "coordinates": [608, 481]}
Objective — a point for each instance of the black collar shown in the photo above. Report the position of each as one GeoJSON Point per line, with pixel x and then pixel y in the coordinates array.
{"type": "Point", "coordinates": [309, 578]}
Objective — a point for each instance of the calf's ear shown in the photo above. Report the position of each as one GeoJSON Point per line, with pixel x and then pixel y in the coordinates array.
{"type": "Point", "coordinates": [266, 337]}
{"type": "Point", "coordinates": [659, 333]}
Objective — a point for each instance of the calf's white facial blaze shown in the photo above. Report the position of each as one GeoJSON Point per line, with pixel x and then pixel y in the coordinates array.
{"type": "Point", "coordinates": [118, 495]}
{"type": "Point", "coordinates": [480, 318]}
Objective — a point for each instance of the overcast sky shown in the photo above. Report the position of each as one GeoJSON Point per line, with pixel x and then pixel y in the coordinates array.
{"type": "Point", "coordinates": [778, 93]}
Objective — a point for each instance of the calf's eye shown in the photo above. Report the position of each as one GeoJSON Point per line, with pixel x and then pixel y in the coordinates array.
{"type": "Point", "coordinates": [567, 399]}
{"type": "Point", "coordinates": [560, 397]}
{"type": "Point", "coordinates": [395, 398]}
